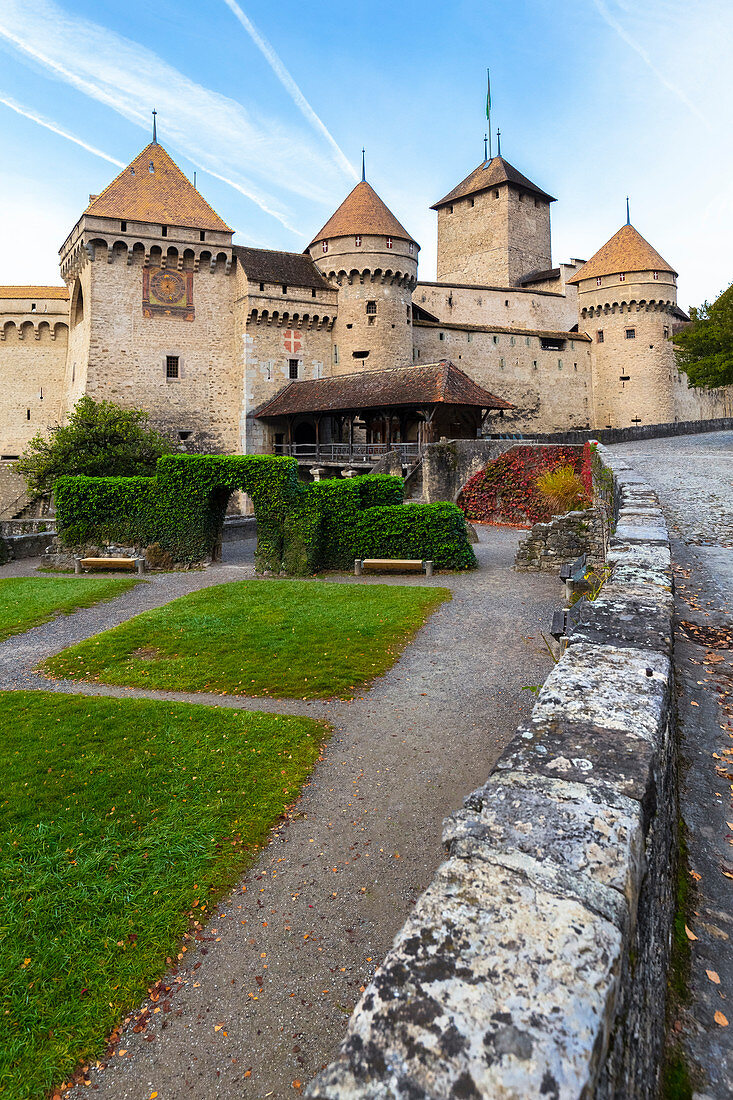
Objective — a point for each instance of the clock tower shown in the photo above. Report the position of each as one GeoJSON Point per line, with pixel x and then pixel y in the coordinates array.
{"type": "Point", "coordinates": [149, 271]}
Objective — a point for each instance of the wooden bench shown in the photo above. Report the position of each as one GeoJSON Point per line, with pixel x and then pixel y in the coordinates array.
{"type": "Point", "coordinates": [574, 571]}
{"type": "Point", "coordinates": [109, 563]}
{"type": "Point", "coordinates": [392, 565]}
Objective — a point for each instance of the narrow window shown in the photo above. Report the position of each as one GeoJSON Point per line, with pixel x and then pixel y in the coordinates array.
{"type": "Point", "coordinates": [27, 414]}
{"type": "Point", "coordinates": [534, 364]}
{"type": "Point", "coordinates": [293, 368]}
{"type": "Point", "coordinates": [622, 278]}
{"type": "Point", "coordinates": [599, 336]}
{"type": "Point", "coordinates": [164, 230]}
{"type": "Point", "coordinates": [412, 248]}
{"type": "Point", "coordinates": [359, 354]}
{"type": "Point", "coordinates": [527, 341]}
{"type": "Point", "coordinates": [357, 241]}
{"type": "Point", "coordinates": [501, 364]}
{"type": "Point", "coordinates": [450, 209]}
{"type": "Point", "coordinates": [469, 337]}
{"type": "Point", "coordinates": [666, 332]}
{"type": "Point", "coordinates": [599, 280]}
{"type": "Point", "coordinates": [630, 333]}
{"type": "Point", "coordinates": [183, 436]}
{"type": "Point", "coordinates": [336, 354]}
{"type": "Point", "coordinates": [506, 301]}
{"type": "Point", "coordinates": [33, 307]}
{"type": "Point", "coordinates": [202, 237]}
{"type": "Point", "coordinates": [389, 242]}
{"type": "Point", "coordinates": [171, 366]}
{"type": "Point", "coordinates": [512, 341]}
{"type": "Point", "coordinates": [325, 246]}
{"type": "Point", "coordinates": [408, 315]}
{"type": "Point", "coordinates": [559, 364]}
{"type": "Point", "coordinates": [313, 292]}
{"type": "Point", "coordinates": [262, 286]}
{"type": "Point", "coordinates": [496, 194]}
{"type": "Point", "coordinates": [472, 203]}
{"type": "Point", "coordinates": [495, 339]}
{"type": "Point", "coordinates": [655, 274]}
{"type": "Point", "coordinates": [285, 288]}
{"type": "Point", "coordinates": [371, 307]}
{"type": "Point", "coordinates": [123, 227]}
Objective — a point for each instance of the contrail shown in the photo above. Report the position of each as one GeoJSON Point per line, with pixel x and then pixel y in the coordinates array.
{"type": "Point", "coordinates": [614, 24]}
{"type": "Point", "coordinates": [289, 84]}
{"type": "Point", "coordinates": [248, 195]}
{"type": "Point", "coordinates": [7, 102]}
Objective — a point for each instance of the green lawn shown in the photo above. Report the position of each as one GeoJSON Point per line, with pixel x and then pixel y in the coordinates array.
{"type": "Point", "coordinates": [120, 822]}
{"type": "Point", "coordinates": [29, 601]}
{"type": "Point", "coordinates": [306, 639]}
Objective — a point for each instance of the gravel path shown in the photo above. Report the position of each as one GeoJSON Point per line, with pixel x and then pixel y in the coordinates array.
{"type": "Point", "coordinates": [694, 478]}
{"type": "Point", "coordinates": [264, 997]}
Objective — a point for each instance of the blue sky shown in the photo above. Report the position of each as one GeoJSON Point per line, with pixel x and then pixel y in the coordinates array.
{"type": "Point", "coordinates": [270, 103]}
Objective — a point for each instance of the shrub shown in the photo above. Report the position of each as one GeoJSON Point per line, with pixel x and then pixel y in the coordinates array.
{"type": "Point", "coordinates": [506, 490]}
{"type": "Point", "coordinates": [301, 527]}
{"type": "Point", "coordinates": [99, 438]}
{"type": "Point", "coordinates": [562, 490]}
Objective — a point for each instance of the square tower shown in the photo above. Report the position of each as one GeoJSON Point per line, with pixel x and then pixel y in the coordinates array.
{"type": "Point", "coordinates": [493, 228]}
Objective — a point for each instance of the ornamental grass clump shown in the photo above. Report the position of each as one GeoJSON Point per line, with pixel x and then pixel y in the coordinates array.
{"type": "Point", "coordinates": [562, 490]}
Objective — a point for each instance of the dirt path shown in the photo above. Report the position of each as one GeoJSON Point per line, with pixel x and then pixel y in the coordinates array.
{"type": "Point", "coordinates": [264, 998]}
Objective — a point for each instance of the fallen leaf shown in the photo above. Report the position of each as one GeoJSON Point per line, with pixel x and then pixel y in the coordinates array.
{"type": "Point", "coordinates": [690, 935]}
{"type": "Point", "coordinates": [713, 976]}
{"type": "Point", "coordinates": [720, 1019]}
{"type": "Point", "coordinates": [153, 1095]}
{"type": "Point", "coordinates": [218, 1027]}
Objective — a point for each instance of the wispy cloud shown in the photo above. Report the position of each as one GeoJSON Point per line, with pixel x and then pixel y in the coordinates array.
{"type": "Point", "coordinates": [291, 87]}
{"type": "Point", "coordinates": [615, 25]}
{"type": "Point", "coordinates": [254, 154]}
{"type": "Point", "coordinates": [19, 109]}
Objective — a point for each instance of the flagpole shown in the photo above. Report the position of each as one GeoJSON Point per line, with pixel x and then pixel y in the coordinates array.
{"type": "Point", "coordinates": [488, 107]}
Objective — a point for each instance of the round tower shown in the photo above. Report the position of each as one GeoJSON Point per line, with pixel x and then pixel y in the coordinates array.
{"type": "Point", "coordinates": [372, 259]}
{"type": "Point", "coordinates": [627, 303]}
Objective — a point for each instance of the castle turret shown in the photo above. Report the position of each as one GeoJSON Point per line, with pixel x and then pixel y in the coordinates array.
{"type": "Point", "coordinates": [147, 266]}
{"type": "Point", "coordinates": [627, 303]}
{"type": "Point", "coordinates": [493, 228]}
{"type": "Point", "coordinates": [373, 260]}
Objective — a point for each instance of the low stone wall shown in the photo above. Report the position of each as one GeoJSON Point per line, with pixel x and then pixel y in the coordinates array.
{"type": "Point", "coordinates": [534, 965]}
{"type": "Point", "coordinates": [646, 431]}
{"type": "Point", "coordinates": [26, 546]}
{"type": "Point", "coordinates": [560, 541]}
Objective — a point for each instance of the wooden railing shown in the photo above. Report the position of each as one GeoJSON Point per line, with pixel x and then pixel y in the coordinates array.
{"type": "Point", "coordinates": [360, 453]}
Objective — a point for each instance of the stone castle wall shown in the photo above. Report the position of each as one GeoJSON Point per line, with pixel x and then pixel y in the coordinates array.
{"type": "Point", "coordinates": [491, 305]}
{"type": "Point", "coordinates": [494, 237]}
{"type": "Point", "coordinates": [551, 389]}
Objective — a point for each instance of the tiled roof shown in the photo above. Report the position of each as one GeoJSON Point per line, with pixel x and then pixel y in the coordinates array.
{"type": "Point", "coordinates": [539, 276]}
{"type": "Point", "coordinates": [626, 251]}
{"type": "Point", "coordinates": [34, 292]}
{"type": "Point", "coordinates": [163, 195]}
{"type": "Point", "coordinates": [489, 174]}
{"type": "Point", "coordinates": [427, 384]}
{"type": "Point", "coordinates": [362, 211]}
{"type": "Point", "coordinates": [552, 334]}
{"type": "Point", "coordinates": [262, 265]}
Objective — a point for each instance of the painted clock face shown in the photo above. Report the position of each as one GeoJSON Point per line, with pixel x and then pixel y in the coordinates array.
{"type": "Point", "coordinates": [168, 286]}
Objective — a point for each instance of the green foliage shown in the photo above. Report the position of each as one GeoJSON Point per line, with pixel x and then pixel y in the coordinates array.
{"type": "Point", "coordinates": [301, 527]}
{"type": "Point", "coordinates": [28, 601]}
{"type": "Point", "coordinates": [99, 439]}
{"type": "Point", "coordinates": [292, 638]}
{"type": "Point", "coordinates": [121, 824]}
{"type": "Point", "coordinates": [562, 490]}
{"type": "Point", "coordinates": [705, 348]}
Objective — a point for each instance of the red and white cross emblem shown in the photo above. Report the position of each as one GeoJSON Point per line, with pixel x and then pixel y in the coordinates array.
{"type": "Point", "coordinates": [293, 341]}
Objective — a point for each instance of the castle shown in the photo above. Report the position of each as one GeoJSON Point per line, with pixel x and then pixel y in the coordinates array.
{"type": "Point", "coordinates": [241, 349]}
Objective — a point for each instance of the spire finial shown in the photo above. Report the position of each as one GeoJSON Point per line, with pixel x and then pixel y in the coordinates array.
{"type": "Point", "coordinates": [155, 132]}
{"type": "Point", "coordinates": [363, 165]}
{"type": "Point", "coordinates": [628, 219]}
{"type": "Point", "coordinates": [498, 142]}
{"type": "Point", "coordinates": [486, 148]}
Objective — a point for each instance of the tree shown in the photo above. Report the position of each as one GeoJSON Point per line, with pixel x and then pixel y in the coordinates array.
{"type": "Point", "coordinates": [100, 439]}
{"type": "Point", "coordinates": [705, 347]}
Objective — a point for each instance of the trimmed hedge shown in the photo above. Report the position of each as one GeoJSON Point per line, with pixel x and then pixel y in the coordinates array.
{"type": "Point", "coordinates": [301, 527]}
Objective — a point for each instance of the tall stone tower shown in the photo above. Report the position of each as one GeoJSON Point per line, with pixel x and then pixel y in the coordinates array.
{"type": "Point", "coordinates": [493, 228]}
{"type": "Point", "coordinates": [373, 260]}
{"type": "Point", "coordinates": [151, 303]}
{"type": "Point", "coordinates": [627, 298]}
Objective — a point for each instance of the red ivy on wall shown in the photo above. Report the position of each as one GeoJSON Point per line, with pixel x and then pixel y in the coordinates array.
{"type": "Point", "coordinates": [506, 492]}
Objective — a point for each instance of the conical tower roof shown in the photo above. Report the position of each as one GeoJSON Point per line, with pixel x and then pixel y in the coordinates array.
{"type": "Point", "coordinates": [491, 173]}
{"type": "Point", "coordinates": [154, 189]}
{"type": "Point", "coordinates": [362, 212]}
{"type": "Point", "coordinates": [626, 251]}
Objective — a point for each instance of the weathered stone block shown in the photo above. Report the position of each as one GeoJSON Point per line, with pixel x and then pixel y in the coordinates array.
{"type": "Point", "coordinates": [639, 617]}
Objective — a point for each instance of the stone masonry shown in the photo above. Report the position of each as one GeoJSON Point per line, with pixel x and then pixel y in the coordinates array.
{"type": "Point", "coordinates": [534, 965]}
